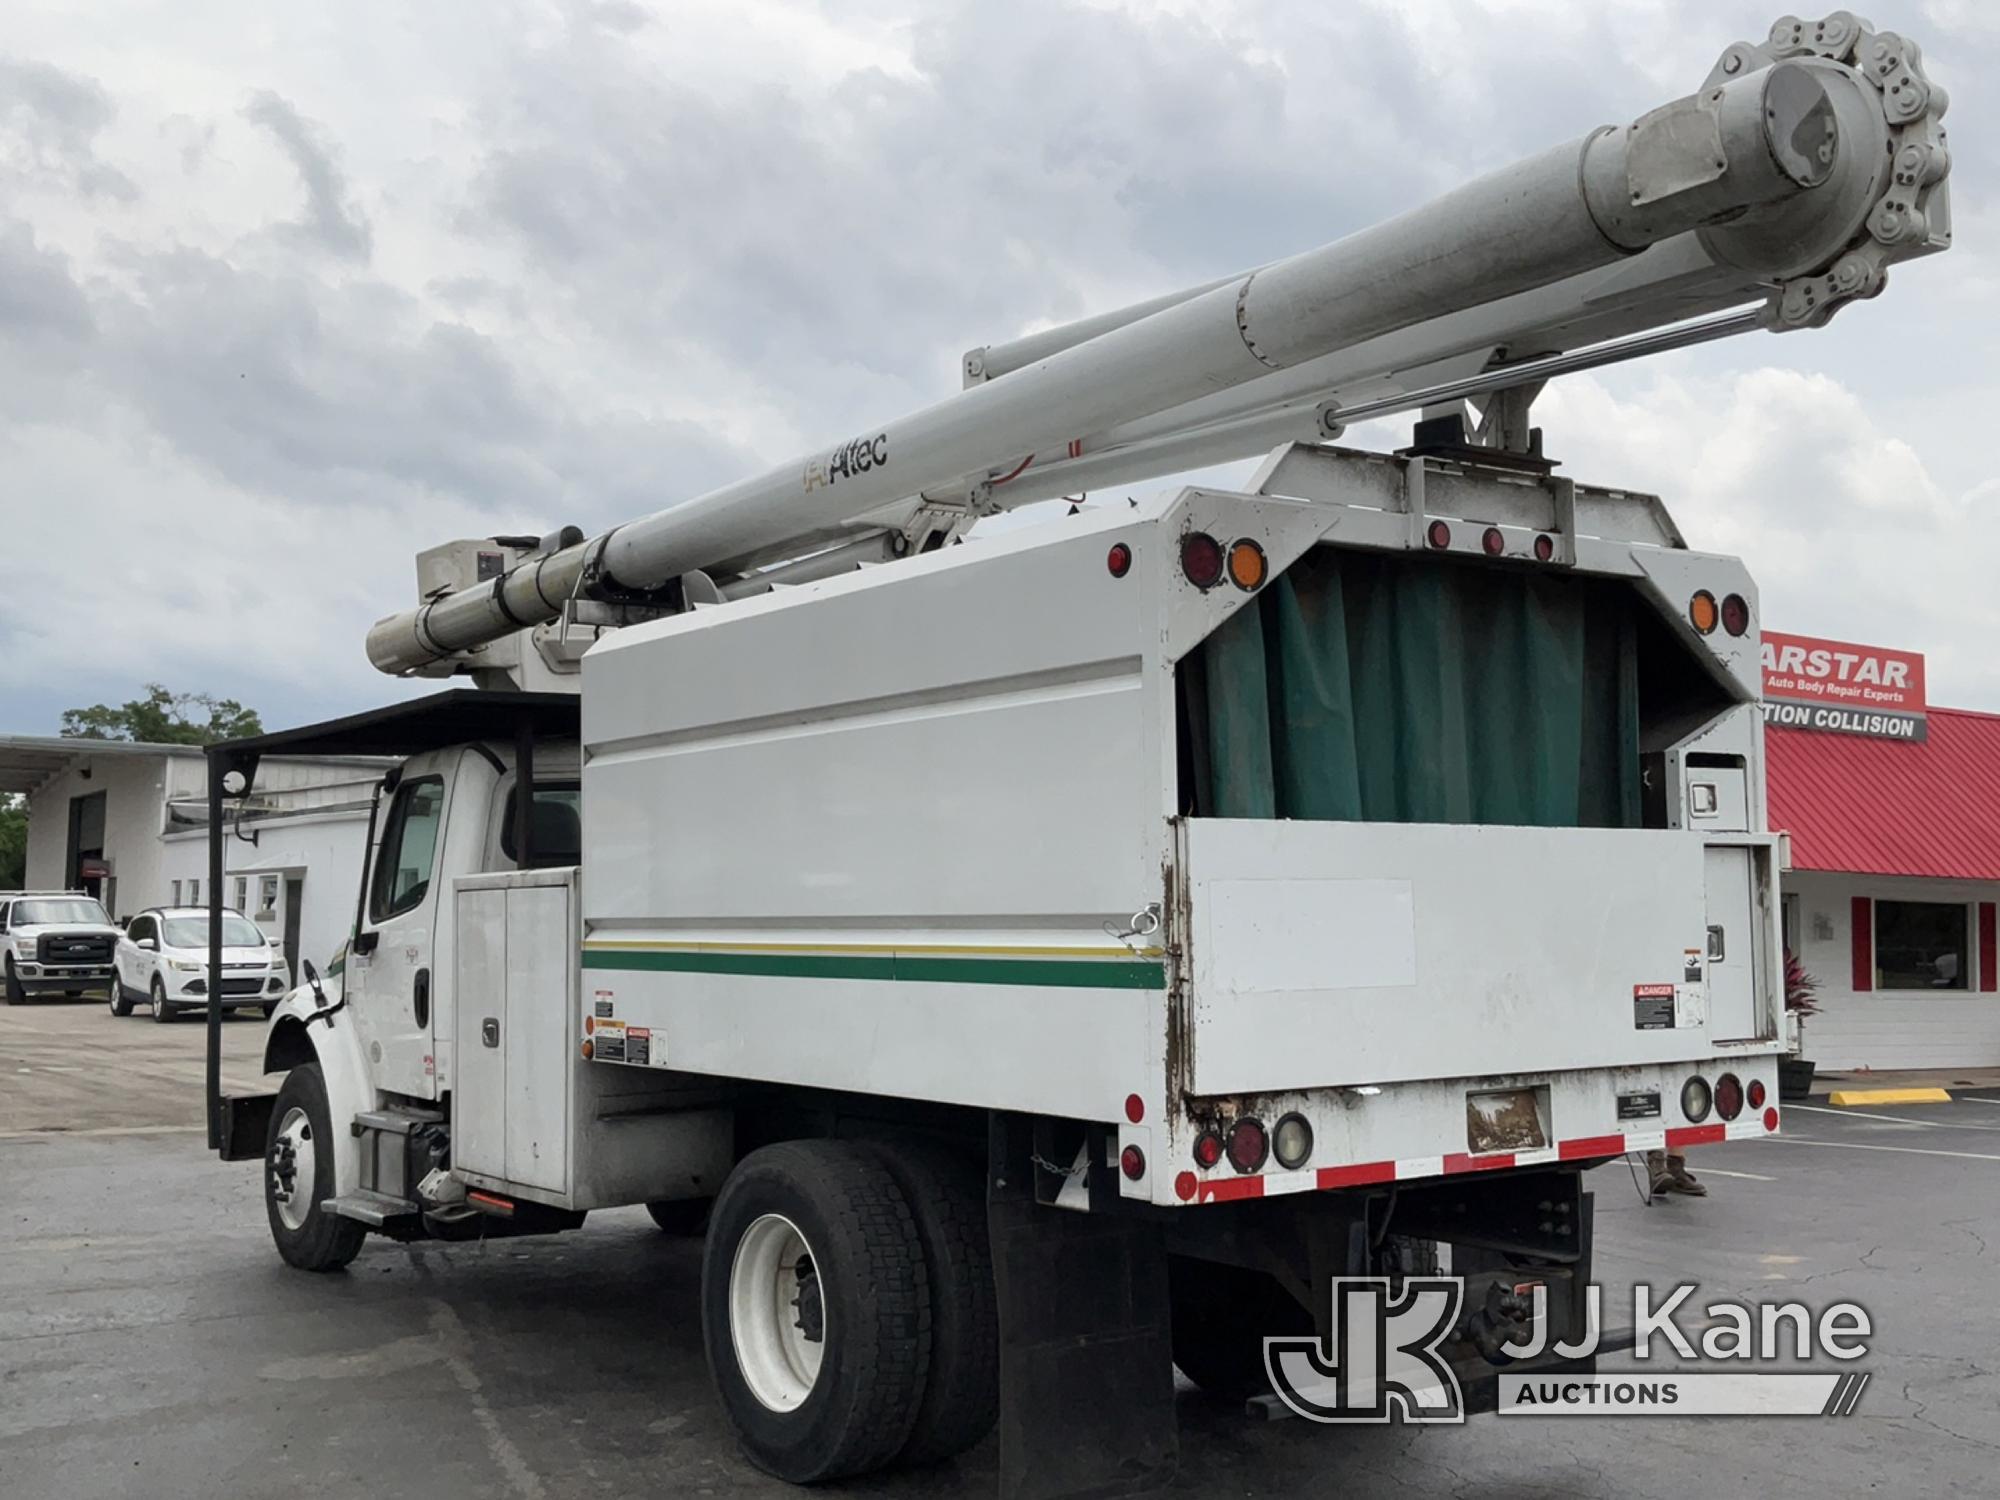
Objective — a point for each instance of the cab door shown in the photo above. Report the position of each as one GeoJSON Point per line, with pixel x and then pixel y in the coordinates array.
{"type": "Point", "coordinates": [391, 972]}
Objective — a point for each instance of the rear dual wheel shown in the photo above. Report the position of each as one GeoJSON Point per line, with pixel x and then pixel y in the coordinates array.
{"type": "Point", "coordinates": [847, 1308]}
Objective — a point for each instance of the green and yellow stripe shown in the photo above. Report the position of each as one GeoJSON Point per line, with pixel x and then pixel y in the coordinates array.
{"type": "Point", "coordinates": [1062, 968]}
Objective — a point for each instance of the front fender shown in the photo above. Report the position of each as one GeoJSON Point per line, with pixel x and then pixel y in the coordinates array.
{"type": "Point", "coordinates": [334, 1042]}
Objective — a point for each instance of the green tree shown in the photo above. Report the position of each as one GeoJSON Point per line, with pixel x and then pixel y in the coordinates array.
{"type": "Point", "coordinates": [13, 841]}
{"type": "Point", "coordinates": [164, 718]}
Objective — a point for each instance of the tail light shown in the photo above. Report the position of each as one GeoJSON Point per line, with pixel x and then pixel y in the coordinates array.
{"type": "Point", "coordinates": [1696, 1099]}
{"type": "Point", "coordinates": [1439, 535]}
{"type": "Point", "coordinates": [1248, 567]}
{"type": "Point", "coordinates": [1702, 612]}
{"type": "Point", "coordinates": [1132, 1162]}
{"type": "Point", "coordinates": [1735, 614]}
{"type": "Point", "coordinates": [1545, 547]}
{"type": "Point", "coordinates": [1756, 1093]}
{"type": "Point", "coordinates": [1292, 1142]}
{"type": "Point", "coordinates": [1207, 1149]}
{"type": "Point", "coordinates": [1201, 559]}
{"type": "Point", "coordinates": [1248, 1145]}
{"type": "Point", "coordinates": [1492, 542]}
{"type": "Point", "coordinates": [1118, 559]}
{"type": "Point", "coordinates": [1729, 1096]}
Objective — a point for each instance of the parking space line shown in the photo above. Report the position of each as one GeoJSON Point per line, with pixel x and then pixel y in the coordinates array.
{"type": "Point", "coordinates": [1975, 1099]}
{"type": "Point", "coordinates": [1862, 1114]}
{"type": "Point", "coordinates": [1803, 1140]}
{"type": "Point", "coordinates": [1708, 1171]}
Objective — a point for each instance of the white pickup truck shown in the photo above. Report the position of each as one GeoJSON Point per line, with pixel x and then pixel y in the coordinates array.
{"type": "Point", "coordinates": [56, 943]}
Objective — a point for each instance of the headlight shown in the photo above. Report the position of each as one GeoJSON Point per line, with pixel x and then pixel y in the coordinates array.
{"type": "Point", "coordinates": [186, 965]}
{"type": "Point", "coordinates": [24, 947]}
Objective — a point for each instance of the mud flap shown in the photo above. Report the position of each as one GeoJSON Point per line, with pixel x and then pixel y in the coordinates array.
{"type": "Point", "coordinates": [1086, 1349]}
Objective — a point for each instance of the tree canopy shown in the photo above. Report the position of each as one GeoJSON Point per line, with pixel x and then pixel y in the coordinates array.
{"type": "Point", "coordinates": [13, 841]}
{"type": "Point", "coordinates": [164, 718]}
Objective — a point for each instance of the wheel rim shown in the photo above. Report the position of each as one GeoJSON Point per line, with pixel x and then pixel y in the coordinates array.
{"type": "Point", "coordinates": [292, 1168]}
{"type": "Point", "coordinates": [777, 1313]}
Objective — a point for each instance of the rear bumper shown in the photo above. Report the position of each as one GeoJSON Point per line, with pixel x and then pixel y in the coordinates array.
{"type": "Point", "coordinates": [1403, 1132]}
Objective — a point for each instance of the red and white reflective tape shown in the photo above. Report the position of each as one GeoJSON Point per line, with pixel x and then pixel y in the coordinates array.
{"type": "Point", "coordinates": [1191, 1188]}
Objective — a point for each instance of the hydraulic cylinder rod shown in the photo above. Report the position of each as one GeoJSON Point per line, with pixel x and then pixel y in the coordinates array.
{"type": "Point", "coordinates": [1738, 152]}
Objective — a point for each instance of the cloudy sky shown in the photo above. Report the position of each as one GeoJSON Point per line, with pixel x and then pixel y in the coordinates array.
{"type": "Point", "coordinates": [288, 292]}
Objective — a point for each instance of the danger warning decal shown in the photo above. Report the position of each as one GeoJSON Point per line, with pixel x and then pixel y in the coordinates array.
{"type": "Point", "coordinates": [1653, 1007]}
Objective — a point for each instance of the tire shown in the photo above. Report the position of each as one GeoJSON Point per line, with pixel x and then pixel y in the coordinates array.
{"type": "Point", "coordinates": [1222, 1315]}
{"type": "Point", "coordinates": [121, 998]}
{"type": "Point", "coordinates": [162, 1012]}
{"type": "Point", "coordinates": [307, 1236]}
{"type": "Point", "coordinates": [962, 1390]}
{"type": "Point", "coordinates": [681, 1215]}
{"type": "Point", "coordinates": [269, 1008]}
{"type": "Point", "coordinates": [15, 994]}
{"type": "Point", "coordinates": [854, 1409]}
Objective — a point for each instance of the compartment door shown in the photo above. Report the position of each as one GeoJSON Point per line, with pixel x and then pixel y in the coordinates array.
{"type": "Point", "coordinates": [540, 944]}
{"type": "Point", "coordinates": [479, 1092]}
{"type": "Point", "coordinates": [1731, 945]}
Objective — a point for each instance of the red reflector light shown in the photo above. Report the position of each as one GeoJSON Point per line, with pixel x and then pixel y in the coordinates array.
{"type": "Point", "coordinates": [1729, 1096]}
{"type": "Point", "coordinates": [1492, 541]}
{"type": "Point", "coordinates": [1135, 1108]}
{"type": "Point", "coordinates": [1545, 547]}
{"type": "Point", "coordinates": [1207, 1149]}
{"type": "Point", "coordinates": [1770, 1119]}
{"type": "Point", "coordinates": [1755, 1093]}
{"type": "Point", "coordinates": [1118, 559]}
{"type": "Point", "coordinates": [1185, 1186]}
{"type": "Point", "coordinates": [492, 1203]}
{"type": "Point", "coordinates": [1735, 614]}
{"type": "Point", "coordinates": [1132, 1162]}
{"type": "Point", "coordinates": [1201, 559]}
{"type": "Point", "coordinates": [1439, 535]}
{"type": "Point", "coordinates": [1248, 1145]}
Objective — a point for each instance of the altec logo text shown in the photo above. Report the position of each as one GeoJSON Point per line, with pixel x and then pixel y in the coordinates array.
{"type": "Point", "coordinates": [1386, 1360]}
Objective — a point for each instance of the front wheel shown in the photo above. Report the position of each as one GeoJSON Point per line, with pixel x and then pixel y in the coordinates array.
{"type": "Point", "coordinates": [298, 1177]}
{"type": "Point", "coordinates": [121, 999]}
{"type": "Point", "coordinates": [15, 994]}
{"type": "Point", "coordinates": [162, 1012]}
{"type": "Point", "coordinates": [815, 1310]}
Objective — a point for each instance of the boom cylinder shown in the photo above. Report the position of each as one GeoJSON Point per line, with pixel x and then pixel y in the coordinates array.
{"type": "Point", "coordinates": [1744, 145]}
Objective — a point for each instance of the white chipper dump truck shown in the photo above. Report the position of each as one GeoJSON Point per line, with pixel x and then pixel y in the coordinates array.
{"type": "Point", "coordinates": [1044, 962]}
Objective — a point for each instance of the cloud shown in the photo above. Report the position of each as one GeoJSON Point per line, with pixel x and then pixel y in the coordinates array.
{"type": "Point", "coordinates": [52, 121]}
{"type": "Point", "coordinates": [330, 221]}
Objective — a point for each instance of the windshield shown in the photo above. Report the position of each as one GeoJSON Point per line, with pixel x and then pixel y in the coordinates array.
{"type": "Point", "coordinates": [192, 932]}
{"type": "Point", "coordinates": [66, 909]}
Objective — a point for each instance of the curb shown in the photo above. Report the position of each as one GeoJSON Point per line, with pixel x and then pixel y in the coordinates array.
{"type": "Point", "coordinates": [1850, 1098]}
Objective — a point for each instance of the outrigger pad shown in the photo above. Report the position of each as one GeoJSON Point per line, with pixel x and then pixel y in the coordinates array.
{"type": "Point", "coordinates": [1086, 1347]}
{"type": "Point", "coordinates": [243, 1125]}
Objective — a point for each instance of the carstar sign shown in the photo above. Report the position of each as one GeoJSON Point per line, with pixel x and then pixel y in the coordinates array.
{"type": "Point", "coordinates": [1841, 688]}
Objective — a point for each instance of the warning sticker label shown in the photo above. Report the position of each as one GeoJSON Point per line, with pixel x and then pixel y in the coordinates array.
{"type": "Point", "coordinates": [610, 1043]}
{"type": "Point", "coordinates": [1653, 1007]}
{"type": "Point", "coordinates": [638, 1044]}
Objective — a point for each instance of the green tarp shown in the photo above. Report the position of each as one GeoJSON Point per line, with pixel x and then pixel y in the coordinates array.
{"type": "Point", "coordinates": [1383, 688]}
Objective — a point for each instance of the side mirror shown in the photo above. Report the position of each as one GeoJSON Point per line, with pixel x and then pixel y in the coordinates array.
{"type": "Point", "coordinates": [148, 944]}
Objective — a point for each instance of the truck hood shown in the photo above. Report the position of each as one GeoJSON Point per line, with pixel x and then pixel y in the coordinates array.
{"type": "Point", "coordinates": [65, 929]}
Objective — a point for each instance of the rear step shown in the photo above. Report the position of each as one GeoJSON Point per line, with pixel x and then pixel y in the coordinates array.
{"type": "Point", "coordinates": [376, 1210]}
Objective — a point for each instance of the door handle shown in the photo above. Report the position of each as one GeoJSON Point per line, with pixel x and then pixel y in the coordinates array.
{"type": "Point", "coordinates": [420, 996]}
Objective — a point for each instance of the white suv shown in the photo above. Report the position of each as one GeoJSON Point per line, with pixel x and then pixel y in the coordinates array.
{"type": "Point", "coordinates": [56, 943]}
{"type": "Point", "coordinates": [163, 960]}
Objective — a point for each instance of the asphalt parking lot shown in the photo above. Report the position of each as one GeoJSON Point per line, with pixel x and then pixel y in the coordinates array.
{"type": "Point", "coordinates": [152, 1345]}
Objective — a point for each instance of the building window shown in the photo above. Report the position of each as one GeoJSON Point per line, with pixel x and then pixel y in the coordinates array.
{"type": "Point", "coordinates": [194, 893]}
{"type": "Point", "coordinates": [175, 899]}
{"type": "Point", "coordinates": [1921, 945]}
{"type": "Point", "coordinates": [267, 898]}
{"type": "Point", "coordinates": [242, 894]}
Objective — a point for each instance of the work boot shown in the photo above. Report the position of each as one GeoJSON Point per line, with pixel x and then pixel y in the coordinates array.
{"type": "Point", "coordinates": [1659, 1179]}
{"type": "Point", "coordinates": [1681, 1180]}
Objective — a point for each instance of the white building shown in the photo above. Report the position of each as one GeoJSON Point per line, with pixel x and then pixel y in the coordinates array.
{"type": "Point", "coordinates": [129, 823]}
